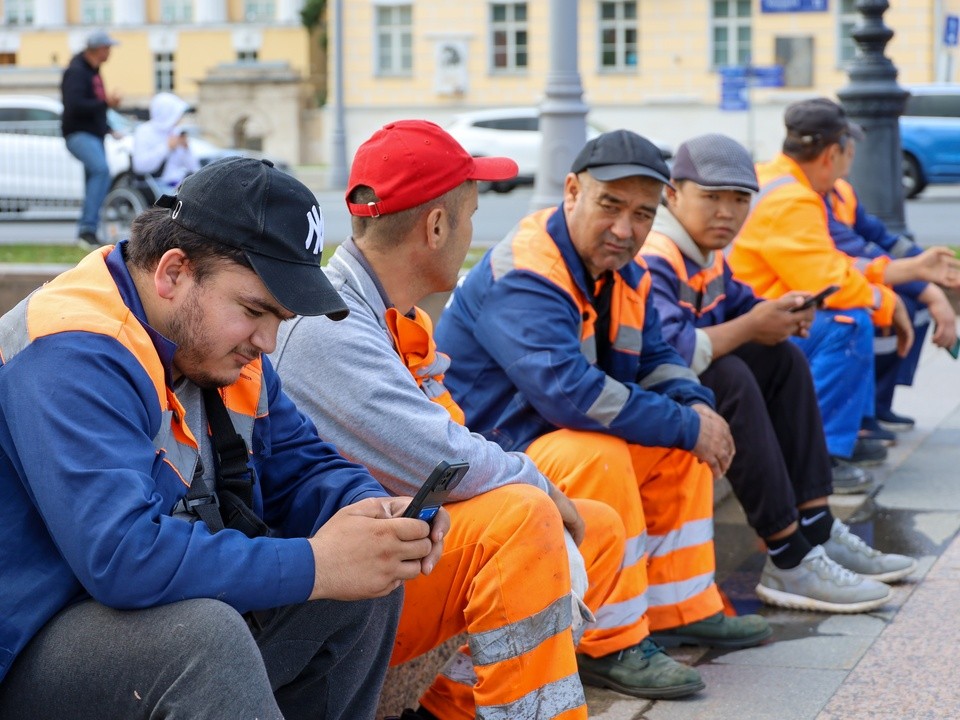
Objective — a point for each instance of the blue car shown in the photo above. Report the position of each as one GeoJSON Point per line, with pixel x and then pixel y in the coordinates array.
{"type": "Point", "coordinates": [930, 137]}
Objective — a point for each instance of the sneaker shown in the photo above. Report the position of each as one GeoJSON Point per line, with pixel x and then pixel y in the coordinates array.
{"type": "Point", "coordinates": [644, 670]}
{"type": "Point", "coordinates": [849, 479]}
{"type": "Point", "coordinates": [889, 420]}
{"type": "Point", "coordinates": [854, 554]}
{"type": "Point", "coordinates": [866, 453]}
{"type": "Point", "coordinates": [870, 430]}
{"type": "Point", "coordinates": [718, 630]}
{"type": "Point", "coordinates": [819, 583]}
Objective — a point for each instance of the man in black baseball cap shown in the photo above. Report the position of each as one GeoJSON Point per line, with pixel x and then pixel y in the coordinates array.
{"type": "Point", "coordinates": [818, 122]}
{"type": "Point", "coordinates": [256, 568]}
{"type": "Point", "coordinates": [272, 217]}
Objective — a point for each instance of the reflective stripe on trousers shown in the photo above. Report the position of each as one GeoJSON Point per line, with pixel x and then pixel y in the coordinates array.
{"type": "Point", "coordinates": [511, 596]}
{"type": "Point", "coordinates": [674, 505]}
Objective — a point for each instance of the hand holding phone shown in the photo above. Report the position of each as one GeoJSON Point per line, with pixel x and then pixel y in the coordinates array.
{"type": "Point", "coordinates": [816, 300]}
{"type": "Point", "coordinates": [435, 491]}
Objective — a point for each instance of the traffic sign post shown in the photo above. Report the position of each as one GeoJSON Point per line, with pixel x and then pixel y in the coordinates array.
{"type": "Point", "coordinates": [736, 82]}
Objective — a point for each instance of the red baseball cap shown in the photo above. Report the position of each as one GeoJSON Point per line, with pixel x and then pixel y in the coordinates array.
{"type": "Point", "coordinates": [410, 162]}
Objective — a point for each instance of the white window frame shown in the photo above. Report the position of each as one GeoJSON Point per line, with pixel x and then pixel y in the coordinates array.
{"type": "Point", "coordinates": [397, 61]}
{"type": "Point", "coordinates": [176, 11]}
{"type": "Point", "coordinates": [164, 71]}
{"type": "Point", "coordinates": [246, 56]}
{"type": "Point", "coordinates": [844, 39]}
{"type": "Point", "coordinates": [621, 25]}
{"type": "Point", "coordinates": [732, 23]}
{"type": "Point", "coordinates": [96, 12]}
{"type": "Point", "coordinates": [19, 12]}
{"type": "Point", "coordinates": [511, 27]}
{"type": "Point", "coordinates": [259, 10]}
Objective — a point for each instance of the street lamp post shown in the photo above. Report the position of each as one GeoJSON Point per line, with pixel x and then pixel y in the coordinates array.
{"type": "Point", "coordinates": [338, 164]}
{"type": "Point", "coordinates": [875, 100]}
{"type": "Point", "coordinates": [563, 114]}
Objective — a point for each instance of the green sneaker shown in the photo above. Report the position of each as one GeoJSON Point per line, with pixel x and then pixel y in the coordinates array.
{"type": "Point", "coordinates": [644, 671]}
{"type": "Point", "coordinates": [722, 631]}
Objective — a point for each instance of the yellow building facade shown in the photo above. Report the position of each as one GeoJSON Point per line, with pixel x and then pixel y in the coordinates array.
{"type": "Point", "coordinates": [164, 44]}
{"type": "Point", "coordinates": [652, 65]}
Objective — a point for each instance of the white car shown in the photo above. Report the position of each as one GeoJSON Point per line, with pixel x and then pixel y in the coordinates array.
{"type": "Point", "coordinates": [513, 133]}
{"type": "Point", "coordinates": [37, 169]}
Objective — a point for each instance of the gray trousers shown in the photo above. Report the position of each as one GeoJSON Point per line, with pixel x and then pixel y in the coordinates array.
{"type": "Point", "coordinates": [200, 659]}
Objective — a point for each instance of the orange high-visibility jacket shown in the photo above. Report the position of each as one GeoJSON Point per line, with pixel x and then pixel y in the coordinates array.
{"type": "Point", "coordinates": [785, 245]}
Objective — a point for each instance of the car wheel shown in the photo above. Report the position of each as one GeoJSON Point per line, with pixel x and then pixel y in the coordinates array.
{"type": "Point", "coordinates": [119, 209]}
{"type": "Point", "coordinates": [913, 181]}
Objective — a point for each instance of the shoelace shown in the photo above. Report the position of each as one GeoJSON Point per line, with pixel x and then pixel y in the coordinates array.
{"type": "Point", "coordinates": [829, 569]}
{"type": "Point", "coordinates": [854, 542]}
{"type": "Point", "coordinates": [646, 647]}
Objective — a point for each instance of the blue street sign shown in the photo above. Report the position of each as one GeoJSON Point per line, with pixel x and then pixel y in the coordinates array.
{"type": "Point", "coordinates": [951, 30]}
{"type": "Point", "coordinates": [788, 6]}
{"type": "Point", "coordinates": [767, 76]}
{"type": "Point", "coordinates": [733, 88]}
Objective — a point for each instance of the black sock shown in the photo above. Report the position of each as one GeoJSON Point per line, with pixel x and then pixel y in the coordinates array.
{"type": "Point", "coordinates": [787, 552]}
{"type": "Point", "coordinates": [816, 523]}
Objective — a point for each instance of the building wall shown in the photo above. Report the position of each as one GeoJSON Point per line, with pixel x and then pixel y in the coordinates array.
{"type": "Point", "coordinates": [672, 93]}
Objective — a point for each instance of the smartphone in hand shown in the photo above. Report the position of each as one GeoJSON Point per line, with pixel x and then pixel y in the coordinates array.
{"type": "Point", "coordinates": [816, 300]}
{"type": "Point", "coordinates": [435, 491]}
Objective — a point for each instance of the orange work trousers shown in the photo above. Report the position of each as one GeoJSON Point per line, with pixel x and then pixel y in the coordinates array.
{"type": "Point", "coordinates": [665, 498]}
{"type": "Point", "coordinates": [504, 578]}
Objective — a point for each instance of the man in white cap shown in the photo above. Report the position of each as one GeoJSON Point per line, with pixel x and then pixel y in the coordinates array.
{"type": "Point", "coordinates": [85, 103]}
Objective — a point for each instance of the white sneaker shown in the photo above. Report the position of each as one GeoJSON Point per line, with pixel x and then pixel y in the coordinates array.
{"type": "Point", "coordinates": [819, 583]}
{"type": "Point", "coordinates": [854, 554]}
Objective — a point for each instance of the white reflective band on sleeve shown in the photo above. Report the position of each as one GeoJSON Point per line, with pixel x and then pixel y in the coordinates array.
{"type": "Point", "coordinates": [634, 550]}
{"type": "Point", "coordinates": [677, 592]}
{"type": "Point", "coordinates": [662, 373]}
{"type": "Point", "coordinates": [921, 318]}
{"type": "Point", "coordinates": [609, 402]}
{"type": "Point", "coordinates": [621, 614]}
{"type": "Point", "coordinates": [861, 263]}
{"type": "Point", "coordinates": [588, 346]}
{"type": "Point", "coordinates": [459, 668]}
{"type": "Point", "coordinates": [901, 247]}
{"type": "Point", "coordinates": [693, 533]}
{"type": "Point", "coordinates": [501, 259]}
{"type": "Point", "coordinates": [877, 298]}
{"type": "Point", "coordinates": [549, 701]}
{"type": "Point", "coordinates": [516, 638]}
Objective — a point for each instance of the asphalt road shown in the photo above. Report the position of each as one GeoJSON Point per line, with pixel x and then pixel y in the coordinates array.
{"type": "Point", "coordinates": [934, 218]}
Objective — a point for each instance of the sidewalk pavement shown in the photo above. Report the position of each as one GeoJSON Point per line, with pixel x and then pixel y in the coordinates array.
{"type": "Point", "coordinates": [892, 664]}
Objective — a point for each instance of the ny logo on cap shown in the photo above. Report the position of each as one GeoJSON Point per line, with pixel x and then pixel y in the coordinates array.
{"type": "Point", "coordinates": [315, 231]}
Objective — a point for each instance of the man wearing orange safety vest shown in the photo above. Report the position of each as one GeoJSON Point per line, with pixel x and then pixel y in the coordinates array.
{"type": "Point", "coordinates": [503, 578]}
{"type": "Point", "coordinates": [736, 343]}
{"type": "Point", "coordinates": [556, 351]}
{"type": "Point", "coordinates": [914, 273]}
{"type": "Point", "coordinates": [785, 245]}
{"type": "Point", "coordinates": [177, 540]}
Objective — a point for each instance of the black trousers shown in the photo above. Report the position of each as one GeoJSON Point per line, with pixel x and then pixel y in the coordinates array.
{"type": "Point", "coordinates": [766, 395]}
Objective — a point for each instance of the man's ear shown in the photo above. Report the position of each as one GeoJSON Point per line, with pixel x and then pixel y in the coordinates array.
{"type": "Point", "coordinates": [437, 227]}
{"type": "Point", "coordinates": [670, 194]}
{"type": "Point", "coordinates": [173, 273]}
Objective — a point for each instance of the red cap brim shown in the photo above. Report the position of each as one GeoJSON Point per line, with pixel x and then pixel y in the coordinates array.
{"type": "Point", "coordinates": [493, 168]}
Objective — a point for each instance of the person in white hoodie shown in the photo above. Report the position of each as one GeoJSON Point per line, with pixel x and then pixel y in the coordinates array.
{"type": "Point", "coordinates": [160, 147]}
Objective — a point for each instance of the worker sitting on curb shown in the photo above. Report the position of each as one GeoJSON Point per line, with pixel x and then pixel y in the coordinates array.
{"type": "Point", "coordinates": [737, 344]}
{"type": "Point", "coordinates": [785, 245]}
{"type": "Point", "coordinates": [503, 577]}
{"type": "Point", "coordinates": [556, 351]}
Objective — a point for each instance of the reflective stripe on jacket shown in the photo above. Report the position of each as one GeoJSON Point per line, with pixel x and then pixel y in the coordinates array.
{"type": "Point", "coordinates": [785, 245]}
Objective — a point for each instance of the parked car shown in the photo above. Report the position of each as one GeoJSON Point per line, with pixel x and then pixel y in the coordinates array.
{"type": "Point", "coordinates": [930, 137]}
{"type": "Point", "coordinates": [514, 133]}
{"type": "Point", "coordinates": [37, 171]}
{"type": "Point", "coordinates": [37, 168]}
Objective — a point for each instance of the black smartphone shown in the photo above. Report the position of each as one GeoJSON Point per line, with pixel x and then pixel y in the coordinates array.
{"type": "Point", "coordinates": [435, 491]}
{"type": "Point", "coordinates": [816, 300]}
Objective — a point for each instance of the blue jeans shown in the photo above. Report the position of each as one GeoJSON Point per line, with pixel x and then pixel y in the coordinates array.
{"type": "Point", "coordinates": [89, 150]}
{"type": "Point", "coordinates": [840, 351]}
